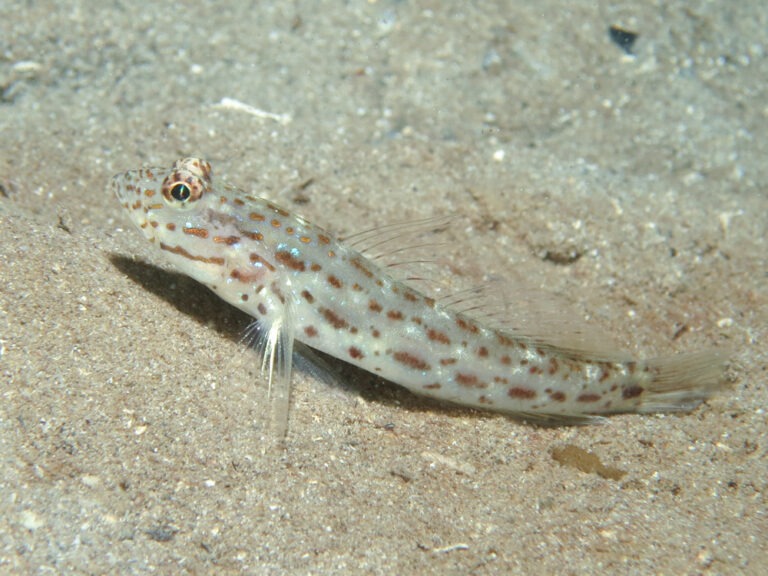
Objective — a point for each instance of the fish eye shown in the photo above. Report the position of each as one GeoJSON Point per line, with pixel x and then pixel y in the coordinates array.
{"type": "Point", "coordinates": [183, 187]}
{"type": "Point", "coordinates": [180, 192]}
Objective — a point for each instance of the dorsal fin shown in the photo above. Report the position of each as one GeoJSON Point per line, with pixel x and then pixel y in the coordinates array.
{"type": "Point", "coordinates": [521, 312]}
{"type": "Point", "coordinates": [535, 315]}
{"type": "Point", "coordinates": [384, 242]}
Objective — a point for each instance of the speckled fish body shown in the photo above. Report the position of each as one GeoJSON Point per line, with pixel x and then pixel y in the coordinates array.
{"type": "Point", "coordinates": [299, 281]}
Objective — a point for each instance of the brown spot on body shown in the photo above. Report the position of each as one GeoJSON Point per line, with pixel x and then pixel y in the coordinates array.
{"type": "Point", "coordinates": [448, 361]}
{"type": "Point", "coordinates": [307, 295]}
{"type": "Point", "coordinates": [244, 297]}
{"type": "Point", "coordinates": [521, 393]}
{"type": "Point", "coordinates": [504, 340]}
{"type": "Point", "coordinates": [411, 296]}
{"type": "Point", "coordinates": [360, 265]}
{"type": "Point", "coordinates": [433, 386]}
{"type": "Point", "coordinates": [256, 216]}
{"type": "Point", "coordinates": [199, 232]}
{"type": "Point", "coordinates": [355, 353]}
{"type": "Point", "coordinates": [323, 239]}
{"type": "Point", "coordinates": [171, 226]}
{"type": "Point", "coordinates": [506, 360]}
{"type": "Point", "coordinates": [588, 397]}
{"type": "Point", "coordinates": [290, 261]}
{"type": "Point", "coordinates": [557, 396]}
{"type": "Point", "coordinates": [277, 292]}
{"type": "Point", "coordinates": [375, 333]}
{"type": "Point", "coordinates": [395, 315]}
{"type": "Point", "coordinates": [228, 240]}
{"type": "Point", "coordinates": [305, 239]}
{"type": "Point", "coordinates": [437, 336]}
{"type": "Point", "coordinates": [182, 252]}
{"type": "Point", "coordinates": [334, 281]}
{"type": "Point", "coordinates": [315, 267]}
{"type": "Point", "coordinates": [276, 223]}
{"type": "Point", "coordinates": [605, 374]}
{"type": "Point", "coordinates": [334, 319]}
{"type": "Point", "coordinates": [482, 352]}
{"type": "Point", "coordinates": [310, 331]}
{"type": "Point", "coordinates": [632, 391]}
{"type": "Point", "coordinates": [262, 309]}
{"type": "Point", "coordinates": [374, 306]}
{"type": "Point", "coordinates": [257, 236]}
{"type": "Point", "coordinates": [469, 380]}
{"type": "Point", "coordinates": [246, 276]}
{"type": "Point", "coordinates": [238, 202]}
{"type": "Point", "coordinates": [255, 258]}
{"type": "Point", "coordinates": [468, 326]}
{"type": "Point", "coordinates": [553, 366]}
{"type": "Point", "coordinates": [410, 360]}
{"type": "Point", "coordinates": [275, 208]}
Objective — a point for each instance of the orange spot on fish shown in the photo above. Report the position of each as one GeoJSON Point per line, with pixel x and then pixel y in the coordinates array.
{"type": "Point", "coordinates": [289, 261]}
{"type": "Point", "coordinates": [355, 353]}
{"type": "Point", "coordinates": [308, 296]}
{"type": "Point", "coordinates": [410, 360]}
{"type": "Point", "coordinates": [521, 393]}
{"type": "Point", "coordinates": [632, 391]}
{"type": "Point", "coordinates": [228, 240]}
{"type": "Point", "coordinates": [334, 319]}
{"type": "Point", "coordinates": [469, 380]}
{"type": "Point", "coordinates": [558, 396]}
{"type": "Point", "coordinates": [437, 336]}
{"type": "Point", "coordinates": [199, 232]}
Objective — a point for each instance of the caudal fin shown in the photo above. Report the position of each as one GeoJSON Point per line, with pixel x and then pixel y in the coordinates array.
{"type": "Point", "coordinates": [682, 382]}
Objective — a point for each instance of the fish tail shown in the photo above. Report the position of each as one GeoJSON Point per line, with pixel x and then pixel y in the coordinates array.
{"type": "Point", "coordinates": [683, 381]}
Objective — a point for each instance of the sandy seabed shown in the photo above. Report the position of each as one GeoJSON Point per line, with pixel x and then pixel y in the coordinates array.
{"type": "Point", "coordinates": [633, 185]}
